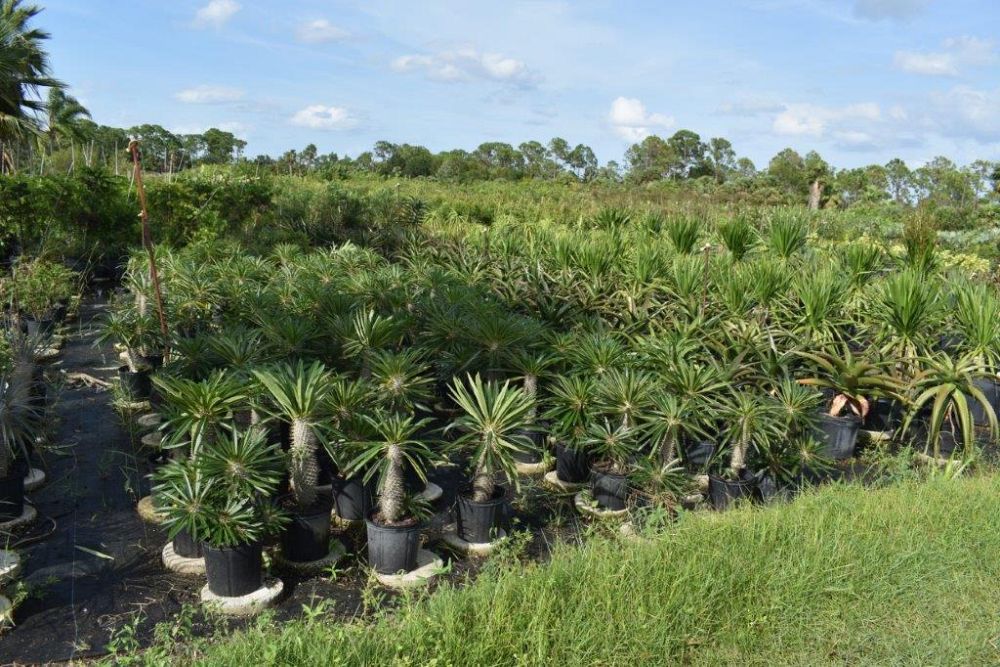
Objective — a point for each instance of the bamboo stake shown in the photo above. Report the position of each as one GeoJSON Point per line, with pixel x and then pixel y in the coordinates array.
{"type": "Point", "coordinates": [147, 242]}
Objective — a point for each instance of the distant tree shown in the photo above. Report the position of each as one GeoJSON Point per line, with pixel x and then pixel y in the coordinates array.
{"type": "Point", "coordinates": [900, 181]}
{"type": "Point", "coordinates": [223, 147]}
{"type": "Point", "coordinates": [583, 162]}
{"type": "Point", "coordinates": [818, 175]}
{"type": "Point", "coordinates": [500, 159]}
{"type": "Point", "coordinates": [687, 156]}
{"type": "Point", "coordinates": [559, 149]}
{"type": "Point", "coordinates": [722, 158]}
{"type": "Point", "coordinates": [538, 162]}
{"type": "Point", "coordinates": [746, 168]}
{"type": "Point", "coordinates": [64, 117]}
{"type": "Point", "coordinates": [787, 170]}
{"type": "Point", "coordinates": [649, 160]}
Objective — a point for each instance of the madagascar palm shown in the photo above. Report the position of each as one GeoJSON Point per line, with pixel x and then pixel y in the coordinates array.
{"type": "Point", "coordinates": [197, 412]}
{"type": "Point", "coordinates": [493, 428]}
{"type": "Point", "coordinates": [669, 421]}
{"type": "Point", "coordinates": [392, 450]}
{"type": "Point", "coordinates": [570, 404]}
{"type": "Point", "coordinates": [752, 420]}
{"type": "Point", "coordinates": [624, 396]}
{"type": "Point", "coordinates": [401, 381]}
{"type": "Point", "coordinates": [300, 394]}
{"type": "Point", "coordinates": [905, 306]}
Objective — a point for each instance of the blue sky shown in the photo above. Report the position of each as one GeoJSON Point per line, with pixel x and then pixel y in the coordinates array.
{"type": "Point", "coordinates": [861, 81]}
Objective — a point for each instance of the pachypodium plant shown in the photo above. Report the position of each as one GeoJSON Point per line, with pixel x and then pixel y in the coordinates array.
{"type": "Point", "coordinates": [752, 421]}
{"type": "Point", "coordinates": [198, 412]}
{"type": "Point", "coordinates": [854, 380]}
{"type": "Point", "coordinates": [298, 393]}
{"type": "Point", "coordinates": [492, 427]}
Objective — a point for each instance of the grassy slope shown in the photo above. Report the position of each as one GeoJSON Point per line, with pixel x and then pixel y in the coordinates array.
{"type": "Point", "coordinates": [905, 575]}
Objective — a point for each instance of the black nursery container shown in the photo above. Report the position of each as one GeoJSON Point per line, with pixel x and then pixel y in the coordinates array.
{"type": "Point", "coordinates": [353, 500]}
{"type": "Point", "coordinates": [393, 549]}
{"type": "Point", "coordinates": [186, 546]}
{"type": "Point", "coordinates": [991, 388]}
{"type": "Point", "coordinates": [838, 435]}
{"type": "Point", "coordinates": [698, 454]}
{"type": "Point", "coordinates": [481, 522]}
{"type": "Point", "coordinates": [234, 571]}
{"type": "Point", "coordinates": [135, 385]}
{"type": "Point", "coordinates": [306, 538]}
{"type": "Point", "coordinates": [610, 490]}
{"type": "Point", "coordinates": [572, 465]}
{"type": "Point", "coordinates": [534, 453]}
{"type": "Point", "coordinates": [39, 327]}
{"type": "Point", "coordinates": [12, 492]}
{"type": "Point", "coordinates": [723, 492]}
{"type": "Point", "coordinates": [884, 414]}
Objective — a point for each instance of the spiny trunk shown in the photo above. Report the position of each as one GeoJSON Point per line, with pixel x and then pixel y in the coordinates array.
{"type": "Point", "coordinates": [668, 448]}
{"type": "Point", "coordinates": [393, 491]}
{"type": "Point", "coordinates": [6, 458]}
{"type": "Point", "coordinates": [141, 303]}
{"type": "Point", "coordinates": [132, 356]}
{"type": "Point", "coordinates": [483, 486]}
{"type": "Point", "coordinates": [737, 461]}
{"type": "Point", "coordinates": [815, 191]}
{"type": "Point", "coordinates": [531, 389]}
{"type": "Point", "coordinates": [303, 469]}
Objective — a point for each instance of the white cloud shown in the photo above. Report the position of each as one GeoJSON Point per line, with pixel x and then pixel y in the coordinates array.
{"type": "Point", "coordinates": [216, 13]}
{"type": "Point", "coordinates": [958, 52]}
{"type": "Point", "coordinates": [466, 65]}
{"type": "Point", "coordinates": [896, 10]}
{"type": "Point", "coordinates": [319, 117]}
{"type": "Point", "coordinates": [209, 95]}
{"type": "Point", "coordinates": [966, 113]}
{"type": "Point", "coordinates": [630, 120]}
{"type": "Point", "coordinates": [814, 120]}
{"type": "Point", "coordinates": [319, 31]}
{"type": "Point", "coordinates": [749, 106]}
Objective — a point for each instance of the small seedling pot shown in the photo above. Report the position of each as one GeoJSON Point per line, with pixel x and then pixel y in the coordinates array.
{"type": "Point", "coordinates": [12, 492]}
{"type": "Point", "coordinates": [838, 435]}
{"type": "Point", "coordinates": [609, 490]}
{"type": "Point", "coordinates": [186, 546]}
{"type": "Point", "coordinates": [306, 538]}
{"type": "Point", "coordinates": [234, 571]}
{"type": "Point", "coordinates": [393, 549]}
{"type": "Point", "coordinates": [481, 522]}
{"type": "Point", "coordinates": [137, 385]}
{"type": "Point", "coordinates": [723, 492]}
{"type": "Point", "coordinates": [572, 465]}
{"type": "Point", "coordinates": [353, 500]}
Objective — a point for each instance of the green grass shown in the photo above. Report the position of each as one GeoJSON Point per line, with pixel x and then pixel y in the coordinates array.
{"type": "Point", "coordinates": [906, 575]}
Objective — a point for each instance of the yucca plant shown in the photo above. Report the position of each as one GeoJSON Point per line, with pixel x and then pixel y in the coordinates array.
{"type": "Point", "coordinates": [739, 237]}
{"type": "Point", "coordinates": [493, 428]}
{"type": "Point", "coordinates": [299, 394]}
{"type": "Point", "coordinates": [683, 232]}
{"type": "Point", "coordinates": [947, 386]}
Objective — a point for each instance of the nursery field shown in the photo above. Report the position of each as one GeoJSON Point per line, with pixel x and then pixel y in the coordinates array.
{"type": "Point", "coordinates": [502, 425]}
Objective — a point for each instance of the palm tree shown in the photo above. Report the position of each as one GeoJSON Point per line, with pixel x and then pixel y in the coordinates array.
{"type": "Point", "coordinates": [65, 114]}
{"type": "Point", "coordinates": [24, 68]}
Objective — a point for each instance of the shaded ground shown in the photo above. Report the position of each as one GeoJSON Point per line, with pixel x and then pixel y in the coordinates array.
{"type": "Point", "coordinates": [91, 564]}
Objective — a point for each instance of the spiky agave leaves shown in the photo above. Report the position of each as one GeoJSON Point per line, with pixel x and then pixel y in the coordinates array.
{"type": "Point", "coordinates": [300, 394]}
{"type": "Point", "coordinates": [492, 426]}
{"type": "Point", "coordinates": [393, 448]}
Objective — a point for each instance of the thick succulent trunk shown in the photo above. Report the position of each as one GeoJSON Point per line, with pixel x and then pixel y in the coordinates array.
{"type": "Point", "coordinates": [132, 356]}
{"type": "Point", "coordinates": [668, 447]}
{"type": "Point", "coordinates": [303, 469]}
{"type": "Point", "coordinates": [737, 461]}
{"type": "Point", "coordinates": [393, 491]}
{"type": "Point", "coordinates": [6, 458]}
{"type": "Point", "coordinates": [483, 486]}
{"type": "Point", "coordinates": [531, 389]}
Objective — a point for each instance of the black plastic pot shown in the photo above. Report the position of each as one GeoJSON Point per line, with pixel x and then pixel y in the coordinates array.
{"type": "Point", "coordinates": [884, 414]}
{"type": "Point", "coordinates": [135, 385]}
{"type": "Point", "coordinates": [393, 549]}
{"type": "Point", "coordinates": [533, 454]}
{"type": "Point", "coordinates": [991, 388]}
{"type": "Point", "coordinates": [352, 498]}
{"type": "Point", "coordinates": [307, 536]}
{"type": "Point", "coordinates": [698, 454]}
{"type": "Point", "coordinates": [154, 361]}
{"type": "Point", "coordinates": [572, 465]}
{"type": "Point", "coordinates": [723, 492]}
{"type": "Point", "coordinates": [186, 546]}
{"type": "Point", "coordinates": [234, 571]}
{"type": "Point", "coordinates": [481, 522]}
{"type": "Point", "coordinates": [39, 327]}
{"type": "Point", "coordinates": [59, 312]}
{"type": "Point", "coordinates": [12, 492]}
{"type": "Point", "coordinates": [838, 435]}
{"type": "Point", "coordinates": [609, 490]}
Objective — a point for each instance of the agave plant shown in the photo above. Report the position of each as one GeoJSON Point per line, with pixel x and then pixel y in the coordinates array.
{"type": "Point", "coordinates": [493, 427]}
{"type": "Point", "coordinates": [299, 394]}
{"type": "Point", "coordinates": [947, 386]}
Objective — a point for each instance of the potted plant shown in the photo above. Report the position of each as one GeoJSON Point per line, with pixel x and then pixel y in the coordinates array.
{"type": "Point", "coordinates": [570, 405]}
{"type": "Point", "coordinates": [20, 422]}
{"type": "Point", "coordinates": [493, 425]}
{"type": "Point", "coordinates": [140, 336]}
{"type": "Point", "coordinates": [298, 395]}
{"type": "Point", "coordinates": [38, 288]}
{"type": "Point", "coordinates": [197, 412]}
{"type": "Point", "coordinates": [851, 381]}
{"type": "Point", "coordinates": [614, 449]}
{"type": "Point", "coordinates": [531, 367]}
{"type": "Point", "coordinates": [349, 402]}
{"type": "Point", "coordinates": [977, 317]}
{"type": "Point", "coordinates": [221, 498]}
{"type": "Point", "coordinates": [394, 527]}
{"type": "Point", "coordinates": [752, 422]}
{"type": "Point", "coordinates": [946, 388]}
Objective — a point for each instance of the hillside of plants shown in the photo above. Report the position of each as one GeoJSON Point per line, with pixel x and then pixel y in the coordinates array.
{"type": "Point", "coordinates": [500, 406]}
